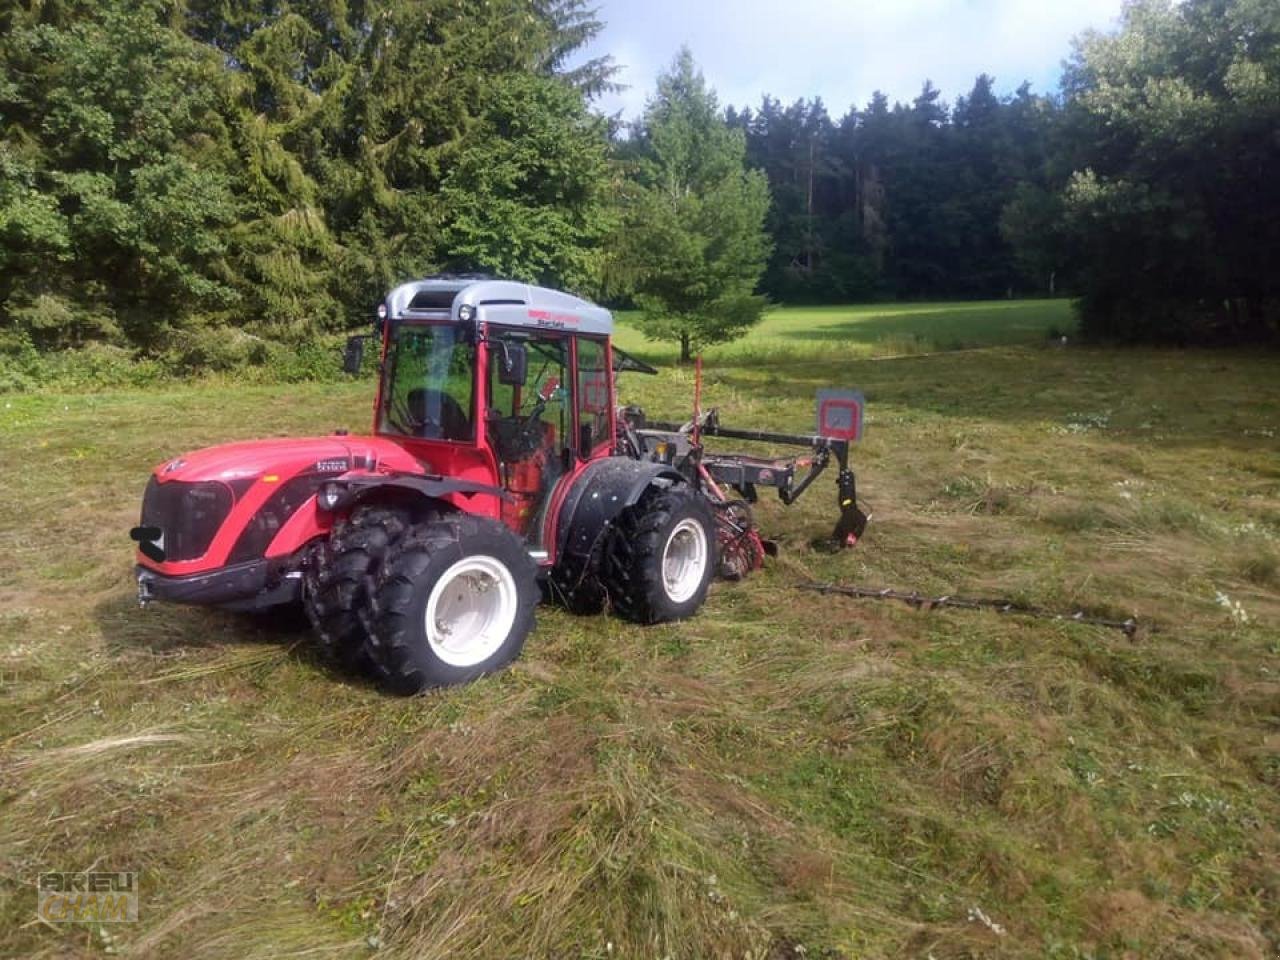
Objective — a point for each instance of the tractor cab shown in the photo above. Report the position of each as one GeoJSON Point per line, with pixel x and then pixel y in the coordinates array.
{"type": "Point", "coordinates": [496, 383]}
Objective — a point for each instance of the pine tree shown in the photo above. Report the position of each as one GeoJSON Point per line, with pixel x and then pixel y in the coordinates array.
{"type": "Point", "coordinates": [171, 169]}
{"type": "Point", "coordinates": [119, 194]}
{"type": "Point", "coordinates": [692, 244]}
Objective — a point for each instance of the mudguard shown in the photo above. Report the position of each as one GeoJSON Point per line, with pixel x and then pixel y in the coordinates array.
{"type": "Point", "coordinates": [602, 491]}
{"type": "Point", "coordinates": [360, 486]}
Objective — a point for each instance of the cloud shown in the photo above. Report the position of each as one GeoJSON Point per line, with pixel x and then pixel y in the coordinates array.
{"type": "Point", "coordinates": [843, 51]}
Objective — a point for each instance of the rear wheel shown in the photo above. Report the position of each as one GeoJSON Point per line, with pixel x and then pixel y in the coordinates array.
{"type": "Point", "coordinates": [580, 594]}
{"type": "Point", "coordinates": [337, 585]}
{"type": "Point", "coordinates": [660, 559]}
{"type": "Point", "coordinates": [455, 601]}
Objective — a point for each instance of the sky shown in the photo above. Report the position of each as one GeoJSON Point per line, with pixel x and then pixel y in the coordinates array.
{"type": "Point", "coordinates": [842, 50]}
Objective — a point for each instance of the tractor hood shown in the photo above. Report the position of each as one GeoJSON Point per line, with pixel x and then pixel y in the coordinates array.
{"type": "Point", "coordinates": [287, 457]}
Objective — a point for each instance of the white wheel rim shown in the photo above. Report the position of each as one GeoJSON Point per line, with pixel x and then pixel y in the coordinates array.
{"type": "Point", "coordinates": [684, 560]}
{"type": "Point", "coordinates": [471, 611]}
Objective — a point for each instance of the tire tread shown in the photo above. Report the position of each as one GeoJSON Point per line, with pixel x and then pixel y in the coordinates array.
{"type": "Point", "coordinates": [338, 579]}
{"type": "Point", "coordinates": [395, 637]}
{"type": "Point", "coordinates": [631, 568]}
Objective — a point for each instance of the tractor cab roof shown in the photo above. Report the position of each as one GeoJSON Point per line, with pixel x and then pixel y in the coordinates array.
{"type": "Point", "coordinates": [468, 299]}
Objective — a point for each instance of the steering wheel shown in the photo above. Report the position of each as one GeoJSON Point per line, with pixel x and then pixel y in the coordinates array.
{"type": "Point", "coordinates": [519, 436]}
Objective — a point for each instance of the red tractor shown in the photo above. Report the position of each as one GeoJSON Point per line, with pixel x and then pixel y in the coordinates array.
{"type": "Point", "coordinates": [499, 468]}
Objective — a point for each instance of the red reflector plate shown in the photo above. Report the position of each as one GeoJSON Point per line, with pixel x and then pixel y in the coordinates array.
{"type": "Point", "coordinates": [840, 414]}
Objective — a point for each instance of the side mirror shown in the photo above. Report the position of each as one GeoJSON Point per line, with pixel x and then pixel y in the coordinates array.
{"type": "Point", "coordinates": [513, 364]}
{"type": "Point", "coordinates": [353, 355]}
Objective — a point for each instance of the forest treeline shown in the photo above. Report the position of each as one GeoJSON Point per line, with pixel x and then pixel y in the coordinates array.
{"type": "Point", "coordinates": [1149, 186]}
{"type": "Point", "coordinates": [905, 200]}
{"type": "Point", "coordinates": [193, 178]}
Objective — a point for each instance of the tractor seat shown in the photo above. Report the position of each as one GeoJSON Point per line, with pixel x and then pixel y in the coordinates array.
{"type": "Point", "coordinates": [454, 424]}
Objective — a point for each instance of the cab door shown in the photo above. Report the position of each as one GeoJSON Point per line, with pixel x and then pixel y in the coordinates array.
{"type": "Point", "coordinates": [529, 426]}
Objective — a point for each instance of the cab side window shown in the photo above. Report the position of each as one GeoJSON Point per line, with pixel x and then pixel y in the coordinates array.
{"type": "Point", "coordinates": [592, 394]}
{"type": "Point", "coordinates": [542, 397]}
{"type": "Point", "coordinates": [528, 425]}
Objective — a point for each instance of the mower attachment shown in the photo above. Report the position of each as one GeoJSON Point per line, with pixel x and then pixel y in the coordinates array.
{"type": "Point", "coordinates": [681, 446]}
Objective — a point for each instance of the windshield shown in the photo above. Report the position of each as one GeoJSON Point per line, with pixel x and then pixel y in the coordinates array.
{"type": "Point", "coordinates": [428, 391]}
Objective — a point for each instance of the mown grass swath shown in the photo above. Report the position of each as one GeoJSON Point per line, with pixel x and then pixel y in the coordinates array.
{"type": "Point", "coordinates": [852, 778]}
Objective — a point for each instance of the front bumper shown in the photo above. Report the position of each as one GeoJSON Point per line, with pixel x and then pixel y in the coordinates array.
{"type": "Point", "coordinates": [255, 585]}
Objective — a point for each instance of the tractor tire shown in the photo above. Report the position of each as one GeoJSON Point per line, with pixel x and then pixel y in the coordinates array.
{"type": "Point", "coordinates": [336, 587]}
{"type": "Point", "coordinates": [455, 600]}
{"type": "Point", "coordinates": [661, 557]}
{"type": "Point", "coordinates": [582, 596]}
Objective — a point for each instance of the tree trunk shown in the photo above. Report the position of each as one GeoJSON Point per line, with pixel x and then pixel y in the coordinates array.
{"type": "Point", "coordinates": [685, 356]}
{"type": "Point", "coordinates": [808, 211]}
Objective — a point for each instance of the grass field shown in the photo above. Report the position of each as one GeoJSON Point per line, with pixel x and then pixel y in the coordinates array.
{"type": "Point", "coordinates": [795, 333]}
{"type": "Point", "coordinates": [784, 776]}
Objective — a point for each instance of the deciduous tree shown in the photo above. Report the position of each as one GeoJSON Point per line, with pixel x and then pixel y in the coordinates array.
{"type": "Point", "coordinates": [1174, 205]}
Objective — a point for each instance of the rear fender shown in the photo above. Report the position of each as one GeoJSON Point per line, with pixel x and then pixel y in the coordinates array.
{"type": "Point", "coordinates": [603, 490]}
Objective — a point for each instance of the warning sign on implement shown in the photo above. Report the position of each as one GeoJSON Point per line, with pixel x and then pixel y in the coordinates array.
{"type": "Point", "coordinates": [840, 414]}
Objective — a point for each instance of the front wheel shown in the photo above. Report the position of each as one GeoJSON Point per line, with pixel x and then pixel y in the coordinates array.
{"type": "Point", "coordinates": [660, 559]}
{"type": "Point", "coordinates": [335, 589]}
{"type": "Point", "coordinates": [455, 601]}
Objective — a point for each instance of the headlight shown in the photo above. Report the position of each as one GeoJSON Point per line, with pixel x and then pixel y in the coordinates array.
{"type": "Point", "coordinates": [466, 313]}
{"type": "Point", "coordinates": [330, 495]}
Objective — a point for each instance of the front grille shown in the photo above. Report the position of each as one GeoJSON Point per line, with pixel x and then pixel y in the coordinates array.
{"type": "Point", "coordinates": [188, 513]}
